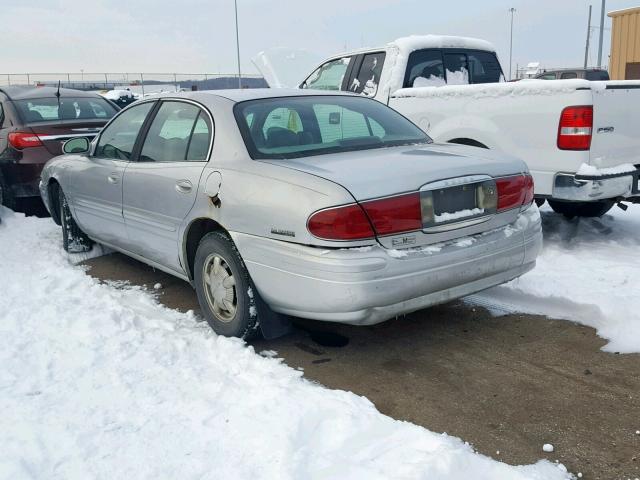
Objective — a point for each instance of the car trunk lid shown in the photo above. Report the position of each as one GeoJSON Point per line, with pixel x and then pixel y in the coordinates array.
{"type": "Point", "coordinates": [53, 136]}
{"type": "Point", "coordinates": [447, 187]}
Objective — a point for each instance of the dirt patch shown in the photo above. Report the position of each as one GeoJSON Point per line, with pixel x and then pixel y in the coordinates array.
{"type": "Point", "coordinates": [507, 384]}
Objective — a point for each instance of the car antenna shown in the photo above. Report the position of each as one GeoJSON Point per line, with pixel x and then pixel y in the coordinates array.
{"type": "Point", "coordinates": [58, 91]}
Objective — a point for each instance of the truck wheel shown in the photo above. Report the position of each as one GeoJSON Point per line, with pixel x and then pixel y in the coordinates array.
{"type": "Point", "coordinates": [74, 240]}
{"type": "Point", "coordinates": [6, 195]}
{"type": "Point", "coordinates": [581, 209]}
{"type": "Point", "coordinates": [224, 289]}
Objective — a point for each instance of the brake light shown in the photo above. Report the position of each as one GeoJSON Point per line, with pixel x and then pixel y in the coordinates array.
{"type": "Point", "coordinates": [395, 214]}
{"type": "Point", "coordinates": [514, 192]}
{"type": "Point", "coordinates": [341, 223]}
{"type": "Point", "coordinates": [22, 140]}
{"type": "Point", "coordinates": [575, 129]}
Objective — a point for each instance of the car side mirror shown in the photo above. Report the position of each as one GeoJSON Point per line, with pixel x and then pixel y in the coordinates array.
{"type": "Point", "coordinates": [76, 145]}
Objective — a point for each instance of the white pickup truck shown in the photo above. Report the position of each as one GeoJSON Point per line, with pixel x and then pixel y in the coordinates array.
{"type": "Point", "coordinates": [580, 139]}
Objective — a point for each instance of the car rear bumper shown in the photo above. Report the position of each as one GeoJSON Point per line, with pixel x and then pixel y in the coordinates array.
{"type": "Point", "coordinates": [583, 188]}
{"type": "Point", "coordinates": [369, 285]}
{"type": "Point", "coordinates": [23, 178]}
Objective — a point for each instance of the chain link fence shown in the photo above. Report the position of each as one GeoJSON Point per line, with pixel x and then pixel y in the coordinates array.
{"type": "Point", "coordinates": [108, 81]}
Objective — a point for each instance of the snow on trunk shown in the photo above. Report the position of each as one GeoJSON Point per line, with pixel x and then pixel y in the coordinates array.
{"type": "Point", "coordinates": [103, 382]}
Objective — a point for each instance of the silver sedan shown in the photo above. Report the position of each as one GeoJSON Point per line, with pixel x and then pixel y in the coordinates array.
{"type": "Point", "coordinates": [276, 203]}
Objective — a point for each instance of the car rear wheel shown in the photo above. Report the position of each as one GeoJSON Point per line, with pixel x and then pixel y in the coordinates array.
{"type": "Point", "coordinates": [74, 240]}
{"type": "Point", "coordinates": [581, 209]}
{"type": "Point", "coordinates": [224, 287]}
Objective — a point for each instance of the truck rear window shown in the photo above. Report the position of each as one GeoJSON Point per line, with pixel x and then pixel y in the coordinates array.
{"type": "Point", "coordinates": [292, 127]}
{"type": "Point", "coordinates": [49, 109]}
{"type": "Point", "coordinates": [436, 67]}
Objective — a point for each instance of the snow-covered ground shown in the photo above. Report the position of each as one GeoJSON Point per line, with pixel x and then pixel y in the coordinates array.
{"type": "Point", "coordinates": [589, 272]}
{"type": "Point", "coordinates": [98, 381]}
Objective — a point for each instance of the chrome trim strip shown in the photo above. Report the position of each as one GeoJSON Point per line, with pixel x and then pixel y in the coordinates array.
{"type": "Point", "coordinates": [69, 135]}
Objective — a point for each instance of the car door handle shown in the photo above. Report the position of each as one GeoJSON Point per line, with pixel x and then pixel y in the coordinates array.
{"type": "Point", "coordinates": [183, 186]}
{"type": "Point", "coordinates": [113, 178]}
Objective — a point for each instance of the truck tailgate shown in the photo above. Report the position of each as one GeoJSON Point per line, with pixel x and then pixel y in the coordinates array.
{"type": "Point", "coordinates": [616, 124]}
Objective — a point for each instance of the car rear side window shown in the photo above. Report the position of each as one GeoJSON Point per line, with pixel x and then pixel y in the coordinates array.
{"type": "Point", "coordinates": [368, 78]}
{"type": "Point", "coordinates": [118, 138]}
{"type": "Point", "coordinates": [178, 132]}
{"type": "Point", "coordinates": [597, 75]}
{"type": "Point", "coordinates": [328, 76]}
{"type": "Point", "coordinates": [52, 109]}
{"type": "Point", "coordinates": [568, 75]}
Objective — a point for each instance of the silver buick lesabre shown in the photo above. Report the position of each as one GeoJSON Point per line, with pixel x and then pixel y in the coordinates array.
{"type": "Point", "coordinates": [276, 203]}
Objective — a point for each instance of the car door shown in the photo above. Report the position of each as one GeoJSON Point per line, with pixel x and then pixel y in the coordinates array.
{"type": "Point", "coordinates": [94, 182]}
{"type": "Point", "coordinates": [160, 187]}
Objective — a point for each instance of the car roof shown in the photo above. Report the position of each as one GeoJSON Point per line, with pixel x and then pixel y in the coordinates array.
{"type": "Point", "coordinates": [555, 70]}
{"type": "Point", "coordinates": [15, 92]}
{"type": "Point", "coordinates": [244, 94]}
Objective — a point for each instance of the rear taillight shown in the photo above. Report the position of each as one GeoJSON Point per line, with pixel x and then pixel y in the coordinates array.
{"type": "Point", "coordinates": [575, 129]}
{"type": "Point", "coordinates": [348, 222]}
{"type": "Point", "coordinates": [386, 216]}
{"type": "Point", "coordinates": [22, 140]}
{"type": "Point", "coordinates": [514, 192]}
{"type": "Point", "coordinates": [395, 214]}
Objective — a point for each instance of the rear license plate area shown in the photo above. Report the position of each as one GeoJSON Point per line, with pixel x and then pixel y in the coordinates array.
{"type": "Point", "coordinates": [450, 203]}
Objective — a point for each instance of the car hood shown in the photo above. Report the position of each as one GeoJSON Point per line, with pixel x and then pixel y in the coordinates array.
{"type": "Point", "coordinates": [380, 172]}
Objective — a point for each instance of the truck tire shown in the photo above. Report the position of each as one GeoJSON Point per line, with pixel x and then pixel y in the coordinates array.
{"type": "Point", "coordinates": [6, 195]}
{"type": "Point", "coordinates": [224, 288]}
{"type": "Point", "coordinates": [74, 240]}
{"type": "Point", "coordinates": [581, 209]}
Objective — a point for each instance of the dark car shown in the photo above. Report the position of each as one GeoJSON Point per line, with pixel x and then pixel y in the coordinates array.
{"type": "Point", "coordinates": [34, 123]}
{"type": "Point", "coordinates": [592, 74]}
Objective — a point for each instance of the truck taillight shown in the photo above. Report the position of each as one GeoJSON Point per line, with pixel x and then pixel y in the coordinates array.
{"type": "Point", "coordinates": [22, 140]}
{"type": "Point", "coordinates": [514, 191]}
{"type": "Point", "coordinates": [575, 129]}
{"type": "Point", "coordinates": [385, 216]}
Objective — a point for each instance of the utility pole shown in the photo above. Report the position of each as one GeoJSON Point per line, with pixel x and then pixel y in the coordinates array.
{"type": "Point", "coordinates": [601, 34]}
{"type": "Point", "coordinates": [512, 10]}
{"type": "Point", "coordinates": [586, 50]}
{"type": "Point", "coordinates": [238, 45]}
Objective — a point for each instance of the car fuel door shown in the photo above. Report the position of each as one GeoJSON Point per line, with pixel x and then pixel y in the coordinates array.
{"type": "Point", "coordinates": [160, 187]}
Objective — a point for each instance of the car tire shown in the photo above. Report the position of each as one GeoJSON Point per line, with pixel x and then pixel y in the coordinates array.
{"type": "Point", "coordinates": [6, 195]}
{"type": "Point", "coordinates": [224, 287]}
{"type": "Point", "coordinates": [581, 209]}
{"type": "Point", "coordinates": [74, 240]}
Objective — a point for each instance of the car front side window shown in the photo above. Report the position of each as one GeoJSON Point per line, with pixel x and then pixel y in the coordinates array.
{"type": "Point", "coordinates": [180, 131]}
{"type": "Point", "coordinates": [329, 76]}
{"type": "Point", "coordinates": [119, 137]}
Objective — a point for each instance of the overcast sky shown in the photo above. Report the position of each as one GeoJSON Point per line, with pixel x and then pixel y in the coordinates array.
{"type": "Point", "coordinates": [198, 35]}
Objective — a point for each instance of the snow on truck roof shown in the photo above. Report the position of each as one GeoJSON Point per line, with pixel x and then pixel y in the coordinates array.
{"type": "Point", "coordinates": [418, 42]}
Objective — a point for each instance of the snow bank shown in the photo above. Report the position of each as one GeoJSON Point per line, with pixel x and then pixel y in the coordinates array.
{"type": "Point", "coordinates": [103, 382]}
{"type": "Point", "coordinates": [117, 94]}
{"type": "Point", "coordinates": [588, 272]}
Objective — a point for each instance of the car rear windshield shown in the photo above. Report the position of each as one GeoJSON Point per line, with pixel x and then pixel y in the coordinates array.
{"type": "Point", "coordinates": [49, 109]}
{"type": "Point", "coordinates": [293, 127]}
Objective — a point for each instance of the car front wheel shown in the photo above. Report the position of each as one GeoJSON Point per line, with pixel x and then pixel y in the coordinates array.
{"type": "Point", "coordinates": [74, 240]}
{"type": "Point", "coordinates": [224, 287]}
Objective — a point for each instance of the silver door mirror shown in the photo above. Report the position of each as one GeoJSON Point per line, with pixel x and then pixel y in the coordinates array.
{"type": "Point", "coordinates": [76, 145]}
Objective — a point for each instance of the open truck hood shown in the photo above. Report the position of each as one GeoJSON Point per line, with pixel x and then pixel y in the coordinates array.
{"type": "Point", "coordinates": [285, 67]}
